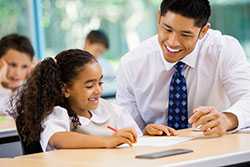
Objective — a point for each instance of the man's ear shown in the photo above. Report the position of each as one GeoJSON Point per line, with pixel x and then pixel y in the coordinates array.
{"type": "Point", "coordinates": [65, 91]}
{"type": "Point", "coordinates": [204, 30]}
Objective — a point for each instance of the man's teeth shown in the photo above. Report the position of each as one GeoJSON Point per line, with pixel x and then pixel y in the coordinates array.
{"type": "Point", "coordinates": [173, 50]}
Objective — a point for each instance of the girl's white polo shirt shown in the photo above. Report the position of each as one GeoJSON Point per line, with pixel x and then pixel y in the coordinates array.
{"type": "Point", "coordinates": [106, 114]}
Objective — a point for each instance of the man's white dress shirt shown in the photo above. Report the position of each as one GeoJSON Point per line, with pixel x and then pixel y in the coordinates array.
{"type": "Point", "coordinates": [217, 74]}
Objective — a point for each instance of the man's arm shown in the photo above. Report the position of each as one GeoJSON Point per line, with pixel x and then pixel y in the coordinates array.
{"type": "Point", "coordinates": [235, 78]}
{"type": "Point", "coordinates": [125, 94]}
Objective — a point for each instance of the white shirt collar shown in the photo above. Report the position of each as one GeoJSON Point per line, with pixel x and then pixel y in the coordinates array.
{"type": "Point", "coordinates": [99, 116]}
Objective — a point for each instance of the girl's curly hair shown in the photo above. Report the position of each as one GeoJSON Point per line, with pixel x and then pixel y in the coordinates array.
{"type": "Point", "coordinates": [44, 90]}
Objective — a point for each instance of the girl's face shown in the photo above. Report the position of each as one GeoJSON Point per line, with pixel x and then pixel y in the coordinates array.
{"type": "Point", "coordinates": [85, 90]}
{"type": "Point", "coordinates": [19, 65]}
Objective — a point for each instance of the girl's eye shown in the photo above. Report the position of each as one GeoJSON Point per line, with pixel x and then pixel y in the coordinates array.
{"type": "Point", "coordinates": [101, 83]}
{"type": "Point", "coordinates": [92, 85]}
{"type": "Point", "coordinates": [168, 30]}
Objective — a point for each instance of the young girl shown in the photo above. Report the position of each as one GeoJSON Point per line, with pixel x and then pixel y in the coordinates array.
{"type": "Point", "coordinates": [16, 55]}
{"type": "Point", "coordinates": [60, 106]}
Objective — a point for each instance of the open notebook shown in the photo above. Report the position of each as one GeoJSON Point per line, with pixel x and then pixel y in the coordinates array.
{"type": "Point", "coordinates": [158, 141]}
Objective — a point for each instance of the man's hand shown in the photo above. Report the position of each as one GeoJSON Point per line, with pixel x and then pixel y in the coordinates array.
{"type": "Point", "coordinates": [212, 122]}
{"type": "Point", "coordinates": [159, 130]}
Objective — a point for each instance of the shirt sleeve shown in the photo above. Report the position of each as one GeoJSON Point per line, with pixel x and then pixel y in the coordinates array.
{"type": "Point", "coordinates": [4, 106]}
{"type": "Point", "coordinates": [5, 98]}
{"type": "Point", "coordinates": [125, 120]}
{"type": "Point", "coordinates": [57, 121]}
{"type": "Point", "coordinates": [125, 96]}
{"type": "Point", "coordinates": [235, 75]}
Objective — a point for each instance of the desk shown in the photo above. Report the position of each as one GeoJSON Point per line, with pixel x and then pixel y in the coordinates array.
{"type": "Point", "coordinates": [9, 140]}
{"type": "Point", "coordinates": [14, 162]}
{"type": "Point", "coordinates": [221, 151]}
{"type": "Point", "coordinates": [8, 131]}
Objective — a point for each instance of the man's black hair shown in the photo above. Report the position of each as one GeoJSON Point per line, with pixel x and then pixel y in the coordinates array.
{"type": "Point", "coordinates": [199, 10]}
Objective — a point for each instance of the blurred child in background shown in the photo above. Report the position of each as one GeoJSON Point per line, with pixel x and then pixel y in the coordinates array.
{"type": "Point", "coordinates": [97, 43]}
{"type": "Point", "coordinates": [16, 56]}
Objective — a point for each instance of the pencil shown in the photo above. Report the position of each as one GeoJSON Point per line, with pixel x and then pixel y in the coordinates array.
{"type": "Point", "coordinates": [111, 128]}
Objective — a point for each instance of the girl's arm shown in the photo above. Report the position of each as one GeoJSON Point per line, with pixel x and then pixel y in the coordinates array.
{"type": "Point", "coordinates": [64, 140]}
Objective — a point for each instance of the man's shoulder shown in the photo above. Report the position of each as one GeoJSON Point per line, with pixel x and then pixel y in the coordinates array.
{"type": "Point", "coordinates": [216, 38]}
{"type": "Point", "coordinates": [217, 46]}
{"type": "Point", "coordinates": [213, 37]}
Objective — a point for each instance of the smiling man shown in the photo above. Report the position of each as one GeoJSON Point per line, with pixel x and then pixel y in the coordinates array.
{"type": "Point", "coordinates": [186, 75]}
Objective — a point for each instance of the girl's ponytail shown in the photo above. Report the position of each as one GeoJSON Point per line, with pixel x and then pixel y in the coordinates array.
{"type": "Point", "coordinates": [37, 98]}
{"type": "Point", "coordinates": [44, 90]}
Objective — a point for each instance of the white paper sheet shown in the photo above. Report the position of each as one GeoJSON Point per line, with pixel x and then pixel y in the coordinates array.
{"type": "Point", "coordinates": [245, 130]}
{"type": "Point", "coordinates": [159, 141]}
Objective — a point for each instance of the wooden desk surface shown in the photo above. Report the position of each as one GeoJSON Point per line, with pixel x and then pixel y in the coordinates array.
{"type": "Point", "coordinates": [14, 162]}
{"type": "Point", "coordinates": [229, 149]}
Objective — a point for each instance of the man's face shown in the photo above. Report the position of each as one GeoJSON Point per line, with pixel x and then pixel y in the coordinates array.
{"type": "Point", "coordinates": [178, 35]}
{"type": "Point", "coordinates": [96, 49]}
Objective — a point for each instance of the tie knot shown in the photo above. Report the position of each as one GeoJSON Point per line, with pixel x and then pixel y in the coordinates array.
{"type": "Point", "coordinates": [179, 66]}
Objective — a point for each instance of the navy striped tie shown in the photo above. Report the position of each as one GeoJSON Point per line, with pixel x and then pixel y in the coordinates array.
{"type": "Point", "coordinates": [178, 102]}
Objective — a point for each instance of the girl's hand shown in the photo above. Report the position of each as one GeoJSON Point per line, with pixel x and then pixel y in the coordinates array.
{"type": "Point", "coordinates": [122, 136]}
{"type": "Point", "coordinates": [3, 70]}
{"type": "Point", "coordinates": [159, 130]}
